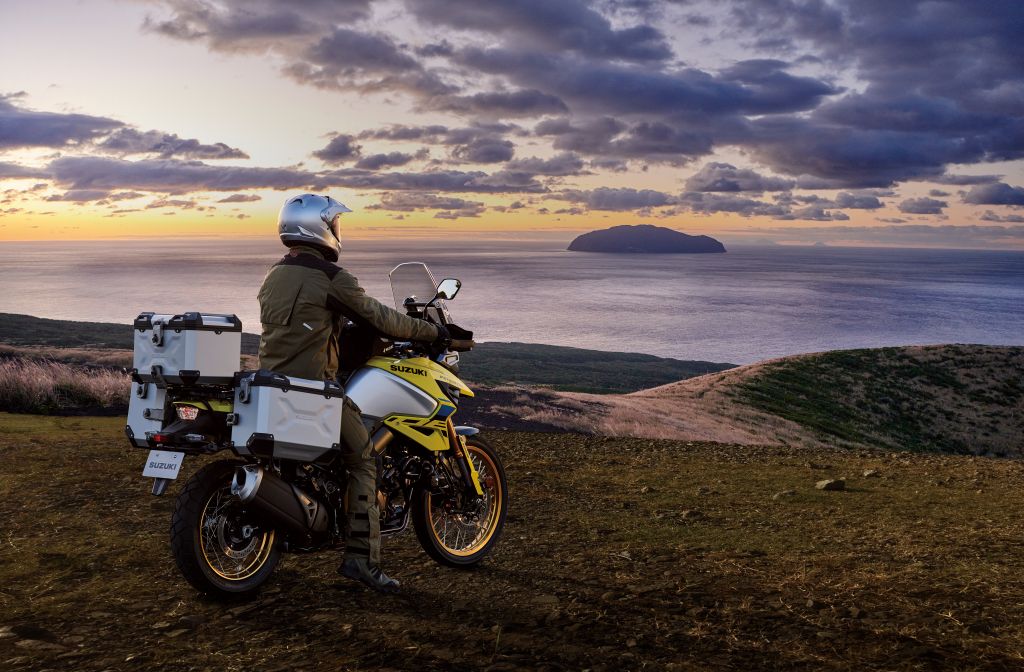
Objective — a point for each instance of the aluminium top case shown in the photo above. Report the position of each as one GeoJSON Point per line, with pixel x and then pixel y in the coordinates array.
{"type": "Point", "coordinates": [187, 349]}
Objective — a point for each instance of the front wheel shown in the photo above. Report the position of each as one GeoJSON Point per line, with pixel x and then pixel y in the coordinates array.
{"type": "Point", "coordinates": [220, 548]}
{"type": "Point", "coordinates": [457, 537]}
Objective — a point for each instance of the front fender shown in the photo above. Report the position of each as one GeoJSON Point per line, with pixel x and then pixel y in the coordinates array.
{"type": "Point", "coordinates": [464, 430]}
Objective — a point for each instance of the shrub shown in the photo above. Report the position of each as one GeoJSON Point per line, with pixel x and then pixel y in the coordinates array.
{"type": "Point", "coordinates": [28, 386]}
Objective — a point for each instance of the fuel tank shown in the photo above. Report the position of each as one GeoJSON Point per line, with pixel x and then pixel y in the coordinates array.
{"type": "Point", "coordinates": [379, 393]}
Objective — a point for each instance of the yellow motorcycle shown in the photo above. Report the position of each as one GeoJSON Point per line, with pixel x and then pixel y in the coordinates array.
{"type": "Point", "coordinates": [235, 518]}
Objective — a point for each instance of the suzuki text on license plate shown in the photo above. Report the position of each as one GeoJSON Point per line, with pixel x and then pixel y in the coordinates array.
{"type": "Point", "coordinates": [163, 464]}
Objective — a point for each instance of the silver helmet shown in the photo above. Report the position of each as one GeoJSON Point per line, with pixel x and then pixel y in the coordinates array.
{"type": "Point", "coordinates": [315, 220]}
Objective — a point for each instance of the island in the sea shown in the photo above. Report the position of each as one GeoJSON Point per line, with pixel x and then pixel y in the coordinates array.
{"type": "Point", "coordinates": [644, 239]}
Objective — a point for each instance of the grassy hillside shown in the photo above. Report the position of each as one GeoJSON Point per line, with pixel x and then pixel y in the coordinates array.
{"type": "Point", "coordinates": [954, 398]}
{"type": "Point", "coordinates": [490, 363]}
{"type": "Point", "coordinates": [619, 554]}
{"type": "Point", "coordinates": [576, 369]}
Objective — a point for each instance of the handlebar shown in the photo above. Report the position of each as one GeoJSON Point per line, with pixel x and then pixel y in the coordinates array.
{"type": "Point", "coordinates": [461, 345]}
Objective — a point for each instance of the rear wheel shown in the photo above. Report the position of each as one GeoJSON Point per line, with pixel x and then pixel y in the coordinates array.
{"type": "Point", "coordinates": [220, 548]}
{"type": "Point", "coordinates": [460, 536]}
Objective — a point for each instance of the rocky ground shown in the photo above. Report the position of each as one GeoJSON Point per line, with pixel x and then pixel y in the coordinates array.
{"type": "Point", "coordinates": [618, 554]}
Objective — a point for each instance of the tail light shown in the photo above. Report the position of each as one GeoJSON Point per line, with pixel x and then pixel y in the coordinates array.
{"type": "Point", "coordinates": [186, 412]}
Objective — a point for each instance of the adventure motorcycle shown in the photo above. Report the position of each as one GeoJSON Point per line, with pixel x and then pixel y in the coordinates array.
{"type": "Point", "coordinates": [235, 518]}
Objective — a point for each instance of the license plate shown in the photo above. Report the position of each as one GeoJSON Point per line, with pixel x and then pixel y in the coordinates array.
{"type": "Point", "coordinates": [163, 464]}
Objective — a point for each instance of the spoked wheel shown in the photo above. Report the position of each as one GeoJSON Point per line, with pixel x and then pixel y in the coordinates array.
{"type": "Point", "coordinates": [220, 547]}
{"type": "Point", "coordinates": [461, 536]}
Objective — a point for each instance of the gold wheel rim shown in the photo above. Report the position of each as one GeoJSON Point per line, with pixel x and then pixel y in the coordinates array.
{"type": "Point", "coordinates": [453, 532]}
{"type": "Point", "coordinates": [227, 562]}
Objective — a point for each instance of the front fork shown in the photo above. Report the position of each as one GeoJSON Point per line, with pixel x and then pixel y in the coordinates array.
{"type": "Point", "coordinates": [470, 477]}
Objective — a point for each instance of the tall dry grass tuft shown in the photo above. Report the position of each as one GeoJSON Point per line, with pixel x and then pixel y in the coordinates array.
{"type": "Point", "coordinates": [28, 386]}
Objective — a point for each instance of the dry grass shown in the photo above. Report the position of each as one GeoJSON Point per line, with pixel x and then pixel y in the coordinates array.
{"type": "Point", "coordinates": [619, 554]}
{"type": "Point", "coordinates": [30, 386]}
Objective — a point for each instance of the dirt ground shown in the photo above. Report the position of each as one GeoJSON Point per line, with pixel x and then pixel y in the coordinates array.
{"type": "Point", "coordinates": [618, 554]}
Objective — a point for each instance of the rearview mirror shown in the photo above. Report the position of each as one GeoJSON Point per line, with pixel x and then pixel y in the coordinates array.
{"type": "Point", "coordinates": [447, 289]}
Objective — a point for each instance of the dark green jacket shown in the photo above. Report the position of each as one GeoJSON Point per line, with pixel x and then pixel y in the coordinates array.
{"type": "Point", "coordinates": [304, 301]}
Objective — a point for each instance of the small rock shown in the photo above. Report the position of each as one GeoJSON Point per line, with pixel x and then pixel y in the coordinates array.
{"type": "Point", "coordinates": [631, 642]}
{"type": "Point", "coordinates": [608, 596]}
{"type": "Point", "coordinates": [191, 621]}
{"type": "Point", "coordinates": [831, 484]}
{"type": "Point", "coordinates": [691, 513]}
{"type": "Point", "coordinates": [6, 632]}
{"type": "Point", "coordinates": [856, 612]}
{"type": "Point", "coordinates": [39, 645]}
{"type": "Point", "coordinates": [321, 618]}
{"type": "Point", "coordinates": [784, 493]}
{"type": "Point", "coordinates": [871, 473]}
{"type": "Point", "coordinates": [176, 633]}
{"type": "Point", "coordinates": [162, 625]}
{"type": "Point", "coordinates": [644, 490]}
{"type": "Point", "coordinates": [814, 604]}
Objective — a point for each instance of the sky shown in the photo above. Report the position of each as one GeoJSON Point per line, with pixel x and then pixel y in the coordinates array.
{"type": "Point", "coordinates": [866, 122]}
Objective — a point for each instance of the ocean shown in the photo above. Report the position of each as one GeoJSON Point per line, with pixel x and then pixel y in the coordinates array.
{"type": "Point", "coordinates": [749, 304]}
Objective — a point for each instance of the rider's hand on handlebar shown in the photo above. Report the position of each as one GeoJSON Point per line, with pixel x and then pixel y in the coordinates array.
{"type": "Point", "coordinates": [441, 343]}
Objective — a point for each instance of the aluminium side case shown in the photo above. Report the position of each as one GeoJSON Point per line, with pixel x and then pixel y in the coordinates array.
{"type": "Point", "coordinates": [284, 417]}
{"type": "Point", "coordinates": [187, 349]}
{"type": "Point", "coordinates": [147, 409]}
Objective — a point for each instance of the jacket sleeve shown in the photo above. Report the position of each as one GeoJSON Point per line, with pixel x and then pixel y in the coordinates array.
{"type": "Point", "coordinates": [345, 296]}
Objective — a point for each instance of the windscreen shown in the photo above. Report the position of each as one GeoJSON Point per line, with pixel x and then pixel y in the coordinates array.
{"type": "Point", "coordinates": [414, 280]}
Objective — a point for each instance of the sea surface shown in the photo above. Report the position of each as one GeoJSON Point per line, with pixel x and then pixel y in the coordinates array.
{"type": "Point", "coordinates": [748, 304]}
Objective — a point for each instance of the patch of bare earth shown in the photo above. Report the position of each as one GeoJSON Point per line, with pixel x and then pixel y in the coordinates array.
{"type": "Point", "coordinates": [619, 554]}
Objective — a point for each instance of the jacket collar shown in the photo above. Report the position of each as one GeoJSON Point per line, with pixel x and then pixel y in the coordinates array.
{"type": "Point", "coordinates": [305, 249]}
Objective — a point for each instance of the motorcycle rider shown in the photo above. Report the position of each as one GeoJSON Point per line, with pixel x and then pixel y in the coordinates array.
{"type": "Point", "coordinates": [304, 302]}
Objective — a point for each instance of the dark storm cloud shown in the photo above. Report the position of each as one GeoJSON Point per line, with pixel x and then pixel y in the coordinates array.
{"type": "Point", "coordinates": [81, 195]}
{"type": "Point", "coordinates": [726, 177]}
{"type": "Point", "coordinates": [966, 180]}
{"type": "Point", "coordinates": [341, 148]}
{"type": "Point", "coordinates": [998, 193]}
{"type": "Point", "coordinates": [709, 203]}
{"type": "Point", "coordinates": [401, 133]}
{"type": "Point", "coordinates": [170, 175]}
{"type": "Point", "coordinates": [990, 216]}
{"type": "Point", "coordinates": [923, 206]}
{"type": "Point", "coordinates": [22, 127]}
{"type": "Point", "coordinates": [346, 59]}
{"type": "Point", "coordinates": [608, 137]}
{"type": "Point", "coordinates": [565, 25]}
{"type": "Point", "coordinates": [127, 141]}
{"type": "Point", "coordinates": [617, 88]}
{"type": "Point", "coordinates": [524, 103]}
{"type": "Point", "coordinates": [378, 161]}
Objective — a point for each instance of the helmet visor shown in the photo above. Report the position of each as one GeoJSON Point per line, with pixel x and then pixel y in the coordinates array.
{"type": "Point", "coordinates": [336, 226]}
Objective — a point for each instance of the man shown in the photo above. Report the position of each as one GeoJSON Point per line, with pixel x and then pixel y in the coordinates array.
{"type": "Point", "coordinates": [304, 302]}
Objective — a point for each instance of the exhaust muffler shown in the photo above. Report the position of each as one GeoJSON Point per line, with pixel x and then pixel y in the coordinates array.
{"type": "Point", "coordinates": [280, 501]}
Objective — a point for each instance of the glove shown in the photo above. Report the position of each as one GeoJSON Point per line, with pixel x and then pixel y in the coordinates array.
{"type": "Point", "coordinates": [441, 343]}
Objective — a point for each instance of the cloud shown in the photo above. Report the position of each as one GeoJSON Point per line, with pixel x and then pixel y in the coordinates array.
{"type": "Point", "coordinates": [563, 164]}
{"type": "Point", "coordinates": [923, 206]}
{"type": "Point", "coordinates": [522, 103]}
{"type": "Point", "coordinates": [437, 180]}
{"type": "Point", "coordinates": [128, 141]}
{"type": "Point", "coordinates": [16, 171]}
{"type": "Point", "coordinates": [990, 216]}
{"type": "Point", "coordinates": [566, 25]}
{"type": "Point", "coordinates": [171, 203]}
{"type": "Point", "coordinates": [485, 149]}
{"type": "Point", "coordinates": [22, 127]}
{"type": "Point", "coordinates": [170, 176]}
{"type": "Point", "coordinates": [998, 193]}
{"type": "Point", "coordinates": [241, 198]}
{"type": "Point", "coordinates": [378, 161]}
{"type": "Point", "coordinates": [606, 198]}
{"type": "Point", "coordinates": [726, 177]}
{"type": "Point", "coordinates": [845, 199]}
{"type": "Point", "coordinates": [341, 148]}
{"type": "Point", "coordinates": [709, 203]}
